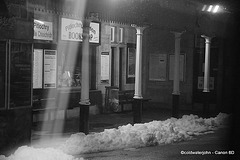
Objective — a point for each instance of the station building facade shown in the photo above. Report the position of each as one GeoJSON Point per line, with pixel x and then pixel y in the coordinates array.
{"type": "Point", "coordinates": [41, 48]}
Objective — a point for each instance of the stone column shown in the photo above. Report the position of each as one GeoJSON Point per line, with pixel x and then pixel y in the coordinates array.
{"type": "Point", "coordinates": [138, 65]}
{"type": "Point", "coordinates": [207, 63]}
{"type": "Point", "coordinates": [84, 101]}
{"type": "Point", "coordinates": [138, 99]}
{"type": "Point", "coordinates": [206, 75]}
{"type": "Point", "coordinates": [176, 78]}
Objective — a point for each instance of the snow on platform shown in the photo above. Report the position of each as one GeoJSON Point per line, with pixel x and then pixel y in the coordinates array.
{"type": "Point", "coordinates": [127, 136]}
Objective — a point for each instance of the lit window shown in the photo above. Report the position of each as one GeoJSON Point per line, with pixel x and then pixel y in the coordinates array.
{"type": "Point", "coordinates": [112, 34]}
{"type": "Point", "coordinates": [120, 35]}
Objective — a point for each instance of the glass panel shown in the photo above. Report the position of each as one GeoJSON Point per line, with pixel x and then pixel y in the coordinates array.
{"type": "Point", "coordinates": [2, 73]}
{"type": "Point", "coordinates": [69, 66]}
{"type": "Point", "coordinates": [20, 74]}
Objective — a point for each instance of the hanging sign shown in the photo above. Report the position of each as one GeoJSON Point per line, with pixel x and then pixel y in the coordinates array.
{"type": "Point", "coordinates": [43, 30]}
{"type": "Point", "coordinates": [72, 30]}
{"type": "Point", "coordinates": [50, 68]}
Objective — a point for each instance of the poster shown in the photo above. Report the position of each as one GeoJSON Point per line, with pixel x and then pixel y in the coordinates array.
{"type": "Point", "coordinates": [131, 62]}
{"type": "Point", "coordinates": [105, 67]}
{"type": "Point", "coordinates": [157, 67]}
{"type": "Point", "coordinates": [37, 68]}
{"type": "Point", "coordinates": [181, 65]}
{"type": "Point", "coordinates": [50, 68]}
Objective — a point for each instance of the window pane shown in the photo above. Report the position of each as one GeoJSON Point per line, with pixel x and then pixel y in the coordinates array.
{"type": "Point", "coordinates": [69, 65]}
{"type": "Point", "coordinates": [20, 74]}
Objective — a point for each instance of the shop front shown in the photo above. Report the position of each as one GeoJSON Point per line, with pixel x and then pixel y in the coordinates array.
{"type": "Point", "coordinates": [58, 61]}
{"type": "Point", "coordinates": [15, 82]}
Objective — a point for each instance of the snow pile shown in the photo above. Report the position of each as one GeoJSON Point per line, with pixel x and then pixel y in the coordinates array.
{"type": "Point", "coordinates": [128, 136]}
{"type": "Point", "coordinates": [139, 135]}
{"type": "Point", "coordinates": [30, 153]}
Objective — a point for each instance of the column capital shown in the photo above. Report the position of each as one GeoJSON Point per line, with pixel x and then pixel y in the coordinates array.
{"type": "Point", "coordinates": [139, 28]}
{"type": "Point", "coordinates": [178, 34]}
{"type": "Point", "coordinates": [86, 22]}
{"type": "Point", "coordinates": [207, 38]}
{"type": "Point", "coordinates": [86, 27]}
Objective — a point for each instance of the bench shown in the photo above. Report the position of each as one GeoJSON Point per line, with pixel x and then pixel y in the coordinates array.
{"type": "Point", "coordinates": [125, 97]}
{"type": "Point", "coordinates": [121, 98]}
{"type": "Point", "coordinates": [48, 105]}
{"type": "Point", "coordinates": [44, 105]}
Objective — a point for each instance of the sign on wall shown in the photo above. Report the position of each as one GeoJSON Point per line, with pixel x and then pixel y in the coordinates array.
{"type": "Point", "coordinates": [158, 67]}
{"type": "Point", "coordinates": [50, 68]}
{"type": "Point", "coordinates": [43, 30]}
{"type": "Point", "coordinates": [72, 30]}
{"type": "Point", "coordinates": [105, 64]}
{"type": "Point", "coordinates": [37, 68]}
{"type": "Point", "coordinates": [201, 81]}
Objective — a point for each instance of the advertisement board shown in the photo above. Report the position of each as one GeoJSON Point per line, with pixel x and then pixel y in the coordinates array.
{"type": "Point", "coordinates": [72, 30]}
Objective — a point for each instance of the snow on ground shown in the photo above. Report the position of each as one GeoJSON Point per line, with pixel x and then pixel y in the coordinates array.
{"type": "Point", "coordinates": [127, 136]}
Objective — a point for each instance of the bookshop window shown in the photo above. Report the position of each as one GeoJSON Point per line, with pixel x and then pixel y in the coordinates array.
{"type": "Point", "coordinates": [69, 66]}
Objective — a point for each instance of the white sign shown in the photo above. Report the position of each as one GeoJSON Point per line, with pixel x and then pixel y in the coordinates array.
{"type": "Point", "coordinates": [105, 66]}
{"type": "Point", "coordinates": [43, 30]}
{"type": "Point", "coordinates": [72, 30]}
{"type": "Point", "coordinates": [158, 67]}
{"type": "Point", "coordinates": [50, 68]}
{"type": "Point", "coordinates": [37, 68]}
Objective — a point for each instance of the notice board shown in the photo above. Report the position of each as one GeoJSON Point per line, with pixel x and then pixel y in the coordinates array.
{"type": "Point", "coordinates": [50, 68]}
{"type": "Point", "coordinates": [37, 68]}
{"type": "Point", "coordinates": [158, 67]}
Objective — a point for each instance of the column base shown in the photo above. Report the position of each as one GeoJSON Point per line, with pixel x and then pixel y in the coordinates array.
{"type": "Point", "coordinates": [84, 118]}
{"type": "Point", "coordinates": [206, 104]}
{"type": "Point", "coordinates": [175, 105]}
{"type": "Point", "coordinates": [137, 110]}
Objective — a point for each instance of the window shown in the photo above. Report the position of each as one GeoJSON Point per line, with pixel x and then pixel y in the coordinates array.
{"type": "Point", "coordinates": [20, 74]}
{"type": "Point", "coordinates": [69, 65]}
{"type": "Point", "coordinates": [112, 34]}
{"type": "Point", "coordinates": [130, 67]}
{"type": "Point", "coordinates": [120, 35]}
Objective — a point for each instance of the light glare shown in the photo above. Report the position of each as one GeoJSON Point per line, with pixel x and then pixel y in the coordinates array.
{"type": "Point", "coordinates": [210, 8]}
{"type": "Point", "coordinates": [38, 21]}
{"type": "Point", "coordinates": [204, 7]}
{"type": "Point", "coordinates": [216, 8]}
